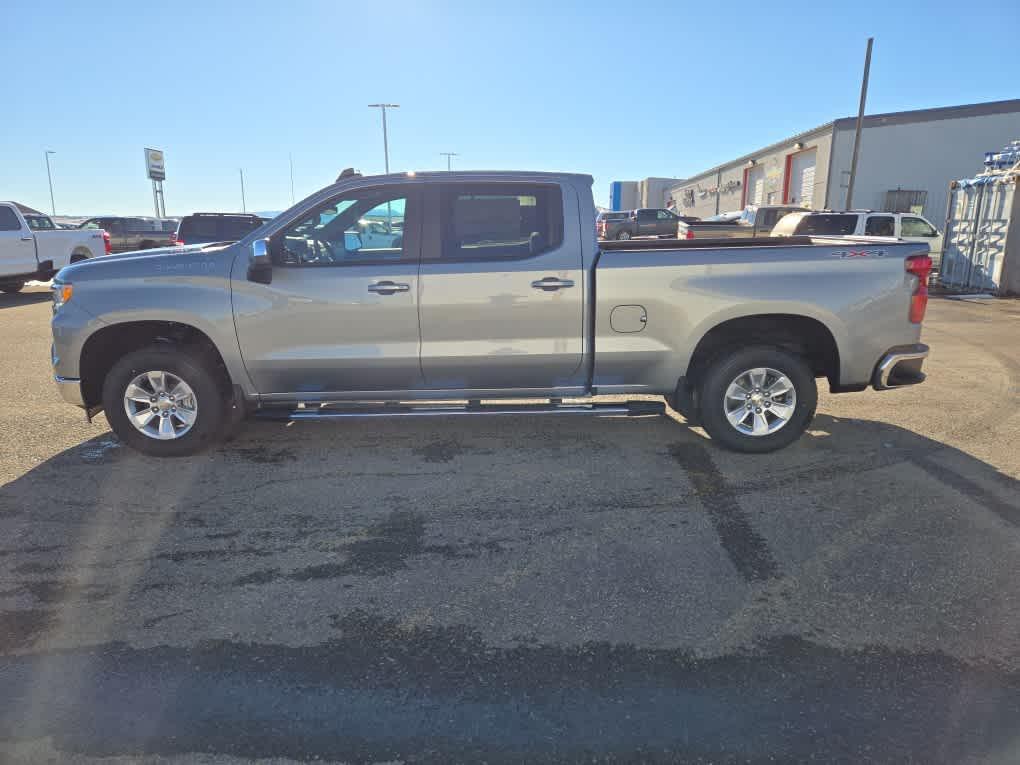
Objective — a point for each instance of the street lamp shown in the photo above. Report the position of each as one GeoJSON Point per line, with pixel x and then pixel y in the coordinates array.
{"type": "Point", "coordinates": [385, 139]}
{"type": "Point", "coordinates": [49, 177]}
{"type": "Point", "coordinates": [448, 155]}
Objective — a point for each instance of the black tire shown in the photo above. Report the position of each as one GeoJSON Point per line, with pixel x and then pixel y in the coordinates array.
{"type": "Point", "coordinates": [11, 287]}
{"type": "Point", "coordinates": [398, 242]}
{"type": "Point", "coordinates": [193, 368]}
{"type": "Point", "coordinates": [725, 368]}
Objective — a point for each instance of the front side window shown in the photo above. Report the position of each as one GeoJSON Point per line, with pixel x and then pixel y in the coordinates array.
{"type": "Point", "coordinates": [362, 227]}
{"type": "Point", "coordinates": [880, 225]}
{"type": "Point", "coordinates": [500, 221]}
{"type": "Point", "coordinates": [827, 225]}
{"type": "Point", "coordinates": [910, 226]}
{"type": "Point", "coordinates": [646, 215]}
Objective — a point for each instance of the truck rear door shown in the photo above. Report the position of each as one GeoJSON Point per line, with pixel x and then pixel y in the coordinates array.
{"type": "Point", "coordinates": [17, 244]}
{"type": "Point", "coordinates": [502, 287]}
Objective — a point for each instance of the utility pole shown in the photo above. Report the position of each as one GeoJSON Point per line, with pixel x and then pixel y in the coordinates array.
{"type": "Point", "coordinates": [448, 155]}
{"type": "Point", "coordinates": [49, 177]}
{"type": "Point", "coordinates": [243, 207]}
{"type": "Point", "coordinates": [860, 124]}
{"type": "Point", "coordinates": [385, 138]}
{"type": "Point", "coordinates": [291, 158]}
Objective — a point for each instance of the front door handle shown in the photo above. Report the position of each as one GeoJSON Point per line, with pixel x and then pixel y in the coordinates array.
{"type": "Point", "coordinates": [388, 288]}
{"type": "Point", "coordinates": [26, 238]}
{"type": "Point", "coordinates": [551, 284]}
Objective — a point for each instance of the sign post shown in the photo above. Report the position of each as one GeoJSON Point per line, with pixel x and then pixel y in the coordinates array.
{"type": "Point", "coordinates": [155, 169]}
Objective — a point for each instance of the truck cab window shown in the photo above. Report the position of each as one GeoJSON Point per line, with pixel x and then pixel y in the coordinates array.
{"type": "Point", "coordinates": [495, 223]}
{"type": "Point", "coordinates": [346, 231]}
{"type": "Point", "coordinates": [880, 225]}
{"type": "Point", "coordinates": [8, 220]}
{"type": "Point", "coordinates": [916, 227]}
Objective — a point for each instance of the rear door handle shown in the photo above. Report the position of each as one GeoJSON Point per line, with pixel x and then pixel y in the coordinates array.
{"type": "Point", "coordinates": [388, 288]}
{"type": "Point", "coordinates": [551, 284]}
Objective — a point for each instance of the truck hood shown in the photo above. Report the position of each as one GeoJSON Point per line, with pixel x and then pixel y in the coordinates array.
{"type": "Point", "coordinates": [162, 261]}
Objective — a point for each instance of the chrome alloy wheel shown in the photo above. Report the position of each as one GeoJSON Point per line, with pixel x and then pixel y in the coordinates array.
{"type": "Point", "coordinates": [759, 401]}
{"type": "Point", "coordinates": [160, 405]}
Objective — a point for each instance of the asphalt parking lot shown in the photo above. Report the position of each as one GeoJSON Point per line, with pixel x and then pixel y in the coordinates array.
{"type": "Point", "coordinates": [520, 589]}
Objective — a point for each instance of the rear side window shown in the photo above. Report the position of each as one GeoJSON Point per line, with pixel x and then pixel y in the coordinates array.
{"type": "Point", "coordinates": [827, 225]}
{"type": "Point", "coordinates": [880, 225]}
{"type": "Point", "coordinates": [8, 220]}
{"type": "Point", "coordinates": [500, 221]}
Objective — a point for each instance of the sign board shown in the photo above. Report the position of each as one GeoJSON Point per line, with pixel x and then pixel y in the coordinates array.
{"type": "Point", "coordinates": [155, 168]}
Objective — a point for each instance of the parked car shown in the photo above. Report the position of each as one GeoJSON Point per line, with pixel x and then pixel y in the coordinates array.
{"type": "Point", "coordinates": [499, 291]}
{"type": "Point", "coordinates": [907, 226]}
{"type": "Point", "coordinates": [33, 247]}
{"type": "Point", "coordinates": [754, 221]}
{"type": "Point", "coordinates": [609, 215]}
{"type": "Point", "coordinates": [644, 222]}
{"type": "Point", "coordinates": [130, 234]}
{"type": "Point", "coordinates": [202, 228]}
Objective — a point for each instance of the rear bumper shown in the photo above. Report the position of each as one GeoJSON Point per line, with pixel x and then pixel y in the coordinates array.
{"type": "Point", "coordinates": [70, 390]}
{"type": "Point", "coordinates": [900, 366]}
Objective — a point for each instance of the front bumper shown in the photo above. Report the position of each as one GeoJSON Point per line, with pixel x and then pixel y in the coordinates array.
{"type": "Point", "coordinates": [70, 390]}
{"type": "Point", "coordinates": [900, 366]}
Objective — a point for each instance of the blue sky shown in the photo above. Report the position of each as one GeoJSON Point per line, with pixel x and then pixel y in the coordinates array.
{"type": "Point", "coordinates": [617, 90]}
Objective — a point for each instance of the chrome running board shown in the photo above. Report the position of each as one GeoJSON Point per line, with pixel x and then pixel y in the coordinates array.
{"type": "Point", "coordinates": [424, 409]}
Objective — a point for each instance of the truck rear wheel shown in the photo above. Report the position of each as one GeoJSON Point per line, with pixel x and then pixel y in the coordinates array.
{"type": "Point", "coordinates": [164, 401]}
{"type": "Point", "coordinates": [757, 399]}
{"type": "Point", "coordinates": [623, 236]}
{"type": "Point", "coordinates": [11, 287]}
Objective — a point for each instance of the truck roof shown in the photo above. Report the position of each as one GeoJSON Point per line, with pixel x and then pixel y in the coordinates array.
{"type": "Point", "coordinates": [472, 175]}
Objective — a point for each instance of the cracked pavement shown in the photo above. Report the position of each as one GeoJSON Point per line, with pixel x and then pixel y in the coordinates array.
{"type": "Point", "coordinates": [520, 589]}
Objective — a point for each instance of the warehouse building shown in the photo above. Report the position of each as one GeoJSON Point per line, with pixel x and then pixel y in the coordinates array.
{"type": "Point", "coordinates": [907, 160]}
{"type": "Point", "coordinates": [651, 192]}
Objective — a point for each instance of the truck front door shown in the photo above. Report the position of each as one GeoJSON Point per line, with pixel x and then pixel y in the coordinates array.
{"type": "Point", "coordinates": [17, 245]}
{"type": "Point", "coordinates": [340, 314]}
{"type": "Point", "coordinates": [502, 287]}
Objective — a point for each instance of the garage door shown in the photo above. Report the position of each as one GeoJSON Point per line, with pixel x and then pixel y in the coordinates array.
{"type": "Point", "coordinates": [756, 185]}
{"type": "Point", "coordinates": [802, 178]}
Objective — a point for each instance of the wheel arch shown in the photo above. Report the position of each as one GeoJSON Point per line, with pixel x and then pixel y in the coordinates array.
{"type": "Point", "coordinates": [111, 342]}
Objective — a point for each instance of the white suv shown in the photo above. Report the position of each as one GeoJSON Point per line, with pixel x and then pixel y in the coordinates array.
{"type": "Point", "coordinates": [906, 226]}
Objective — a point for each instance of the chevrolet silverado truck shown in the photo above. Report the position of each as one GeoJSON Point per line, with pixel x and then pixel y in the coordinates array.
{"type": "Point", "coordinates": [754, 221]}
{"type": "Point", "coordinates": [130, 234]}
{"type": "Point", "coordinates": [498, 291]}
{"type": "Point", "coordinates": [33, 248]}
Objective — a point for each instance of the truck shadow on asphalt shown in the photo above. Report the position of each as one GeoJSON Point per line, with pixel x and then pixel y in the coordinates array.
{"type": "Point", "coordinates": [17, 299]}
{"type": "Point", "coordinates": [136, 598]}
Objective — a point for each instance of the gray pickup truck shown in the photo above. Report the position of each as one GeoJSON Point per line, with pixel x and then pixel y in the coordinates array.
{"type": "Point", "coordinates": [496, 291]}
{"type": "Point", "coordinates": [130, 234]}
{"type": "Point", "coordinates": [754, 221]}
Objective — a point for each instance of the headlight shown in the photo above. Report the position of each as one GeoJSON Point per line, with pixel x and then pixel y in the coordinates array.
{"type": "Point", "coordinates": [61, 293]}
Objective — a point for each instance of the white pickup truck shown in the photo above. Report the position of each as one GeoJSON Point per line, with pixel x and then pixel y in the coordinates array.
{"type": "Point", "coordinates": [35, 248]}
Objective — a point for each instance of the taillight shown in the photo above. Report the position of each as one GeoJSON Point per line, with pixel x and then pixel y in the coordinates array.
{"type": "Point", "coordinates": [106, 242]}
{"type": "Point", "coordinates": [689, 234]}
{"type": "Point", "coordinates": [919, 266]}
{"type": "Point", "coordinates": [174, 241]}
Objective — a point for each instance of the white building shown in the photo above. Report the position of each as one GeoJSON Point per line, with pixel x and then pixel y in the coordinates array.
{"type": "Point", "coordinates": [906, 162]}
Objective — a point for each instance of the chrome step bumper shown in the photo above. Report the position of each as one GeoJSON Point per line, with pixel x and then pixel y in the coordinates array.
{"type": "Point", "coordinates": [900, 366]}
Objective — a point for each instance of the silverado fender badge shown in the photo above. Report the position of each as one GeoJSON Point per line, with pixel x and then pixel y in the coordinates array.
{"type": "Point", "coordinates": [859, 254]}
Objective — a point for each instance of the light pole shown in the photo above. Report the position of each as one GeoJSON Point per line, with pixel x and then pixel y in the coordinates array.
{"type": "Point", "coordinates": [49, 177]}
{"type": "Point", "coordinates": [385, 138]}
{"type": "Point", "coordinates": [243, 207]}
{"type": "Point", "coordinates": [448, 155]}
{"type": "Point", "coordinates": [291, 158]}
{"type": "Point", "coordinates": [860, 122]}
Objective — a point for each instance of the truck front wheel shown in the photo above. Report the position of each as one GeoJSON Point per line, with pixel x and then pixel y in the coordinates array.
{"type": "Point", "coordinates": [164, 401]}
{"type": "Point", "coordinates": [757, 399]}
{"type": "Point", "coordinates": [11, 287]}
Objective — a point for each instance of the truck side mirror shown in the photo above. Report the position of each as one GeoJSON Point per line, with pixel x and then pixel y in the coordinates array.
{"type": "Point", "coordinates": [260, 267]}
